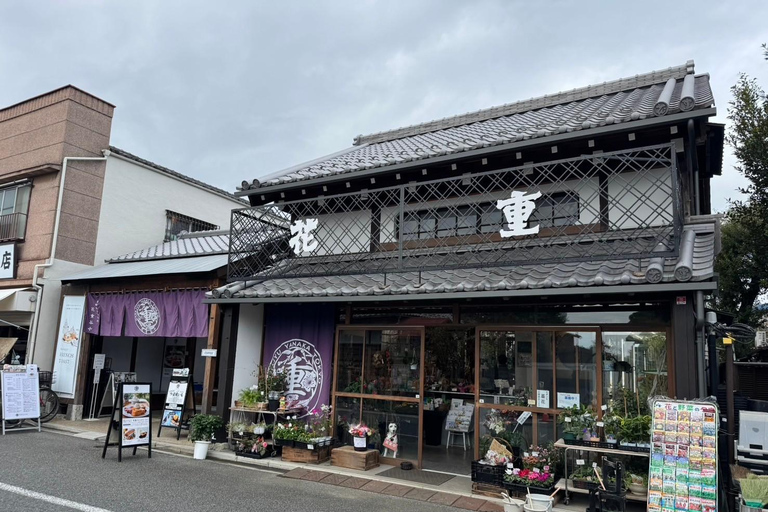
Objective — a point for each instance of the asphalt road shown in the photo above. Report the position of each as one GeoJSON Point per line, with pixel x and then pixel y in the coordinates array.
{"type": "Point", "coordinates": [54, 472]}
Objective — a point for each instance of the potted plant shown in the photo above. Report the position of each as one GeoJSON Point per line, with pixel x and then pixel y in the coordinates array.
{"type": "Point", "coordinates": [260, 428]}
{"type": "Point", "coordinates": [612, 428]}
{"type": "Point", "coordinates": [535, 479]}
{"type": "Point", "coordinates": [571, 423]}
{"type": "Point", "coordinates": [635, 432]}
{"type": "Point", "coordinates": [638, 484]}
{"type": "Point", "coordinates": [360, 433]}
{"type": "Point", "coordinates": [201, 430]}
{"type": "Point", "coordinates": [249, 397]}
{"type": "Point", "coordinates": [585, 478]}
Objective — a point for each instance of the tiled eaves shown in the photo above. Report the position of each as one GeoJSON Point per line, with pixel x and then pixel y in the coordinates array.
{"type": "Point", "coordinates": [199, 245]}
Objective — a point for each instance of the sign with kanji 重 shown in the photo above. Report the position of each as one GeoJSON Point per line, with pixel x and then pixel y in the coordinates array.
{"type": "Point", "coordinates": [8, 261]}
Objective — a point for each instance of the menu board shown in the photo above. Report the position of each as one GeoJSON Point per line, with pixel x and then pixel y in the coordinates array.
{"type": "Point", "coordinates": [460, 418]}
{"type": "Point", "coordinates": [135, 415]}
{"type": "Point", "coordinates": [175, 402]}
{"type": "Point", "coordinates": [21, 392]}
{"type": "Point", "coordinates": [683, 467]}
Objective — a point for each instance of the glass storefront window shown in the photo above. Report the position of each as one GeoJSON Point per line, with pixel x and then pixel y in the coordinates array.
{"type": "Point", "coordinates": [546, 427]}
{"type": "Point", "coordinates": [392, 362]}
{"type": "Point", "coordinates": [506, 367]}
{"type": "Point", "coordinates": [450, 362]}
{"type": "Point", "coordinates": [350, 361]}
{"type": "Point", "coordinates": [380, 414]}
{"type": "Point", "coordinates": [576, 365]}
{"type": "Point", "coordinates": [347, 413]}
{"type": "Point", "coordinates": [634, 368]}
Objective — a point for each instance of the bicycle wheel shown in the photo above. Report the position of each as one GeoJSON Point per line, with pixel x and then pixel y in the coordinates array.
{"type": "Point", "coordinates": [49, 404]}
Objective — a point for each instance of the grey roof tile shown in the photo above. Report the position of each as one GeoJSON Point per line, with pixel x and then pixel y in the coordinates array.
{"type": "Point", "coordinates": [203, 243]}
{"type": "Point", "coordinates": [611, 103]}
{"type": "Point", "coordinates": [536, 276]}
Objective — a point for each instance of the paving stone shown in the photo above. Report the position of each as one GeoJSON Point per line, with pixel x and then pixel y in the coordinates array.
{"type": "Point", "coordinates": [314, 476]}
{"type": "Point", "coordinates": [296, 473]}
{"type": "Point", "coordinates": [443, 498]}
{"type": "Point", "coordinates": [420, 494]}
{"type": "Point", "coordinates": [354, 482]}
{"type": "Point", "coordinates": [397, 490]}
{"type": "Point", "coordinates": [468, 503]}
{"type": "Point", "coordinates": [375, 486]}
{"type": "Point", "coordinates": [334, 479]}
{"type": "Point", "coordinates": [491, 507]}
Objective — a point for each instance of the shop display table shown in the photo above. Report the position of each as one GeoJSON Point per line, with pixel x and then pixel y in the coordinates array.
{"type": "Point", "coordinates": [347, 457]}
{"type": "Point", "coordinates": [567, 485]}
{"type": "Point", "coordinates": [243, 414]}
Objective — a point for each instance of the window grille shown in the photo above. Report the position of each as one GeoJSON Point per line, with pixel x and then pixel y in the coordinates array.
{"type": "Point", "coordinates": [177, 224]}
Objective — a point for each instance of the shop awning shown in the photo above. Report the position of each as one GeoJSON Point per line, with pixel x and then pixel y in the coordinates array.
{"type": "Point", "coordinates": [152, 267]}
{"type": "Point", "coordinates": [6, 344]}
{"type": "Point", "coordinates": [16, 308]}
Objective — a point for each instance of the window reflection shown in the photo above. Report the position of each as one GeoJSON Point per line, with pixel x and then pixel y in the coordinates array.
{"type": "Point", "coordinates": [576, 366]}
{"type": "Point", "coordinates": [392, 362]}
{"type": "Point", "coordinates": [350, 361]}
{"type": "Point", "coordinates": [403, 417]}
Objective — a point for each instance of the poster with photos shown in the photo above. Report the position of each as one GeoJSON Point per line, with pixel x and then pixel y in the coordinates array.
{"type": "Point", "coordinates": [683, 468]}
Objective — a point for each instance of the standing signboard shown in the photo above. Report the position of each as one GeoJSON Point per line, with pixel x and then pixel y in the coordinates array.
{"type": "Point", "coordinates": [177, 401]}
{"type": "Point", "coordinates": [21, 394]}
{"type": "Point", "coordinates": [683, 468]}
{"type": "Point", "coordinates": [68, 346]}
{"type": "Point", "coordinates": [132, 404]}
{"type": "Point", "coordinates": [99, 361]}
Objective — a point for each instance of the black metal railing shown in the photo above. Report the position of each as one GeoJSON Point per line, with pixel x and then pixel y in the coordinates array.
{"type": "Point", "coordinates": [601, 206]}
{"type": "Point", "coordinates": [13, 226]}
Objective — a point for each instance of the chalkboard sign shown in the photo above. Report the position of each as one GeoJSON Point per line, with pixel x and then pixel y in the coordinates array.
{"type": "Point", "coordinates": [132, 405]}
{"type": "Point", "coordinates": [21, 393]}
{"type": "Point", "coordinates": [178, 400]}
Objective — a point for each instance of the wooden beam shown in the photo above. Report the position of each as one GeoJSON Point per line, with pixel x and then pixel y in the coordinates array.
{"type": "Point", "coordinates": [227, 348]}
{"type": "Point", "coordinates": [214, 329]}
{"type": "Point", "coordinates": [683, 346]}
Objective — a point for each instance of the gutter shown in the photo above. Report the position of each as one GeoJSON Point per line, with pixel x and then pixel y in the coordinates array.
{"type": "Point", "coordinates": [553, 139]}
{"type": "Point", "coordinates": [535, 292]}
{"type": "Point", "coordinates": [54, 239]}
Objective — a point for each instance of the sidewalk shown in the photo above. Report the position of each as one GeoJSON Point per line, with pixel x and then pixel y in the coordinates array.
{"type": "Point", "coordinates": [456, 492]}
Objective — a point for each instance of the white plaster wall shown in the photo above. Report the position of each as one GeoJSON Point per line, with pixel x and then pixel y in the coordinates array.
{"type": "Point", "coordinates": [249, 347]}
{"type": "Point", "coordinates": [648, 198]}
{"type": "Point", "coordinates": [350, 232]}
{"type": "Point", "coordinates": [134, 202]}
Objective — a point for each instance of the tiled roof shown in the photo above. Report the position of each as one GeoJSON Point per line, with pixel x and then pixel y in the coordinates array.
{"type": "Point", "coordinates": [175, 174]}
{"type": "Point", "coordinates": [619, 102]}
{"type": "Point", "coordinates": [695, 263]}
{"type": "Point", "coordinates": [203, 243]}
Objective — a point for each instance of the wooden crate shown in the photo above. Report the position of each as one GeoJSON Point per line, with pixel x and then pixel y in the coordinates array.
{"type": "Point", "coordinates": [489, 491]}
{"type": "Point", "coordinates": [305, 456]}
{"type": "Point", "coordinates": [347, 457]}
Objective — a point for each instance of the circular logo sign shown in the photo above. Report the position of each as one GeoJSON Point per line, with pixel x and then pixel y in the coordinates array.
{"type": "Point", "coordinates": [147, 316]}
{"type": "Point", "coordinates": [301, 362]}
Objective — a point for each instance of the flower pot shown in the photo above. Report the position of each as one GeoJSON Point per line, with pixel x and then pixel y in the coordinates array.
{"type": "Point", "coordinates": [238, 403]}
{"type": "Point", "coordinates": [273, 405]}
{"type": "Point", "coordinates": [360, 444]}
{"type": "Point", "coordinates": [638, 489]}
{"type": "Point", "coordinates": [201, 449]}
{"type": "Point", "coordinates": [262, 406]}
{"type": "Point", "coordinates": [569, 436]}
{"type": "Point", "coordinates": [259, 430]}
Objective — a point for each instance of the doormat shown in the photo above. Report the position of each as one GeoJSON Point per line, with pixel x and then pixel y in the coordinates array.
{"type": "Point", "coordinates": [414, 475]}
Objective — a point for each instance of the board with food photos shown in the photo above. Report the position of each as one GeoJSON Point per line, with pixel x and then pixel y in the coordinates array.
{"type": "Point", "coordinates": [683, 468]}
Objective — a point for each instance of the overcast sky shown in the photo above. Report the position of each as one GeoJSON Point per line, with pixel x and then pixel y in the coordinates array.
{"type": "Point", "coordinates": [226, 91]}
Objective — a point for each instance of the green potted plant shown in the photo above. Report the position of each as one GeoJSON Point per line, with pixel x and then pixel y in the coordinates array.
{"type": "Point", "coordinates": [611, 428]}
{"type": "Point", "coordinates": [201, 430]}
{"type": "Point", "coordinates": [249, 397]}
{"type": "Point", "coordinates": [570, 421]}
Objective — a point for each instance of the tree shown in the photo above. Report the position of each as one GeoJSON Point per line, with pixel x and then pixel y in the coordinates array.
{"type": "Point", "coordinates": [743, 262]}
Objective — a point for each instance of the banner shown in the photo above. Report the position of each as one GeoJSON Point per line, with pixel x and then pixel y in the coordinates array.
{"type": "Point", "coordinates": [180, 314]}
{"type": "Point", "coordinates": [299, 341]}
{"type": "Point", "coordinates": [68, 346]}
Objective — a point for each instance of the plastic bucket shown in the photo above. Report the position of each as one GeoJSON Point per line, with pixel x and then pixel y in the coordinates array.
{"type": "Point", "coordinates": [538, 503]}
{"type": "Point", "coordinates": [201, 449]}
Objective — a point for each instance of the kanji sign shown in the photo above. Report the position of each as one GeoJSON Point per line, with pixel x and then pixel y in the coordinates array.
{"type": "Point", "coordinates": [517, 209]}
{"type": "Point", "coordinates": [303, 239]}
{"type": "Point", "coordinates": [8, 261]}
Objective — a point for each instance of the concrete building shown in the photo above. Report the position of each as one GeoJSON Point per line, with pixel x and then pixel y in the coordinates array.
{"type": "Point", "coordinates": [70, 200]}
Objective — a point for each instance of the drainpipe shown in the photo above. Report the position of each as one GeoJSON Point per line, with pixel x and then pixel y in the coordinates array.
{"type": "Point", "coordinates": [692, 160]}
{"type": "Point", "coordinates": [700, 340]}
{"type": "Point", "coordinates": [32, 343]}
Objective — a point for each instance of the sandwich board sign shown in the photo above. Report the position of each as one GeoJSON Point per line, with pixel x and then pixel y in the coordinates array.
{"type": "Point", "coordinates": [132, 404]}
{"type": "Point", "coordinates": [110, 393]}
{"type": "Point", "coordinates": [178, 400]}
{"type": "Point", "coordinates": [20, 394]}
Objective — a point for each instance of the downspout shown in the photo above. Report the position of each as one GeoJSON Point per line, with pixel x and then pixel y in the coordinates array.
{"type": "Point", "coordinates": [39, 287]}
{"type": "Point", "coordinates": [701, 339]}
{"type": "Point", "coordinates": [692, 159]}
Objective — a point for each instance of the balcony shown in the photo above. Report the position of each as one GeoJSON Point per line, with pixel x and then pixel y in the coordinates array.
{"type": "Point", "coordinates": [12, 227]}
{"type": "Point", "coordinates": [619, 205]}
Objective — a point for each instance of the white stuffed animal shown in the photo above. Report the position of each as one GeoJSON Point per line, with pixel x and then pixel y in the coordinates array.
{"type": "Point", "coordinates": [390, 442]}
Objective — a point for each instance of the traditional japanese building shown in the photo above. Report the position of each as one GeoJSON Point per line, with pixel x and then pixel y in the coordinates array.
{"type": "Point", "coordinates": [527, 257]}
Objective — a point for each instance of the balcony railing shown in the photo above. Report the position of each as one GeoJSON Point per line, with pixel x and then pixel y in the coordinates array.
{"type": "Point", "coordinates": [624, 204]}
{"type": "Point", "coordinates": [12, 226]}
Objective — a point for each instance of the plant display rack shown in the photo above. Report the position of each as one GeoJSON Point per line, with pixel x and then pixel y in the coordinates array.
{"type": "Point", "coordinates": [243, 414]}
{"type": "Point", "coordinates": [566, 484]}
